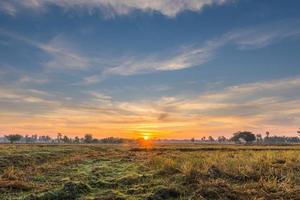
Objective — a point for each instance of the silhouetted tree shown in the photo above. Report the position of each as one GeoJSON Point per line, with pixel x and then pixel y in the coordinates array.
{"type": "Point", "coordinates": [47, 138]}
{"type": "Point", "coordinates": [281, 140]}
{"type": "Point", "coordinates": [76, 140]}
{"type": "Point", "coordinates": [112, 140]}
{"type": "Point", "coordinates": [27, 139]}
{"type": "Point", "coordinates": [34, 138]}
{"type": "Point", "coordinates": [88, 138]}
{"type": "Point", "coordinates": [211, 139]}
{"type": "Point", "coordinates": [44, 138]}
{"type": "Point", "coordinates": [13, 137]}
{"type": "Point", "coordinates": [66, 139]}
{"type": "Point", "coordinates": [59, 137]}
{"type": "Point", "coordinates": [95, 140]}
{"type": "Point", "coordinates": [222, 139]}
{"type": "Point", "coordinates": [267, 134]}
{"type": "Point", "coordinates": [259, 138]}
{"type": "Point", "coordinates": [193, 140]}
{"type": "Point", "coordinates": [247, 136]}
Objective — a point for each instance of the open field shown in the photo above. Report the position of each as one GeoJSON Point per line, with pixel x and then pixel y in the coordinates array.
{"type": "Point", "coordinates": [171, 171]}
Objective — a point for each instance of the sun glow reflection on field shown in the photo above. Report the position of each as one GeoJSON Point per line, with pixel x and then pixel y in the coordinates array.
{"type": "Point", "coordinates": [146, 141]}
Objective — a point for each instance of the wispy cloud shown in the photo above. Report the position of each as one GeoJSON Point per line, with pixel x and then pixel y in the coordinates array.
{"type": "Point", "coordinates": [8, 8]}
{"type": "Point", "coordinates": [111, 8]}
{"type": "Point", "coordinates": [11, 75]}
{"type": "Point", "coordinates": [199, 54]}
{"type": "Point", "coordinates": [183, 58]}
{"type": "Point", "coordinates": [264, 35]}
{"type": "Point", "coordinates": [61, 56]}
{"type": "Point", "coordinates": [32, 79]}
{"type": "Point", "coordinates": [32, 96]}
{"type": "Point", "coordinates": [64, 56]}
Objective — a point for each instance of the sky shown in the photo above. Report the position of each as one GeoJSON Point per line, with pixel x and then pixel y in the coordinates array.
{"type": "Point", "coordinates": [159, 68]}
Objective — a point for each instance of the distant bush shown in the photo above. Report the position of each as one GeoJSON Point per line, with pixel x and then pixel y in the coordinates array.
{"type": "Point", "coordinates": [13, 137]}
{"type": "Point", "coordinates": [112, 140]}
{"type": "Point", "coordinates": [243, 136]}
{"type": "Point", "coordinates": [88, 138]}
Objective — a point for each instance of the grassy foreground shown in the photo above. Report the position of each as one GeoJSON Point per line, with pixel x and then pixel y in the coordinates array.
{"type": "Point", "coordinates": [108, 172]}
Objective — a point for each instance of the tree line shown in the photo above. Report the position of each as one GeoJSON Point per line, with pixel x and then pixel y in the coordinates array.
{"type": "Point", "coordinates": [247, 137]}
{"type": "Point", "coordinates": [241, 137]}
{"type": "Point", "coordinates": [62, 139]}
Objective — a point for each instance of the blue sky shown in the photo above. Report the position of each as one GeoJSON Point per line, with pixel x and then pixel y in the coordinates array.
{"type": "Point", "coordinates": [176, 69]}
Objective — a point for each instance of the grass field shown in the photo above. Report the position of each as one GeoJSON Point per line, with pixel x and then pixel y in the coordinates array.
{"type": "Point", "coordinates": [178, 171]}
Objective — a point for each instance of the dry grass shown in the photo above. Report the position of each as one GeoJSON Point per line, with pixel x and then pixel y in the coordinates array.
{"type": "Point", "coordinates": [164, 172]}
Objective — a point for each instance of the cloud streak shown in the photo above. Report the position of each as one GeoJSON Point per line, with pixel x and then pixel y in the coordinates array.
{"type": "Point", "coordinates": [111, 8]}
{"type": "Point", "coordinates": [199, 54]}
{"type": "Point", "coordinates": [183, 58]}
{"type": "Point", "coordinates": [64, 57]}
{"type": "Point", "coordinates": [61, 56]}
{"type": "Point", "coordinates": [264, 35]}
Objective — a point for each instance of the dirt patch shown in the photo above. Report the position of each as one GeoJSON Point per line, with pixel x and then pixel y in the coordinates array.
{"type": "Point", "coordinates": [103, 184]}
{"type": "Point", "coordinates": [110, 196]}
{"type": "Point", "coordinates": [70, 191]}
{"type": "Point", "coordinates": [131, 179]}
{"type": "Point", "coordinates": [162, 193]}
{"type": "Point", "coordinates": [7, 185]}
{"type": "Point", "coordinates": [217, 191]}
{"type": "Point", "coordinates": [215, 173]}
{"type": "Point", "coordinates": [279, 161]}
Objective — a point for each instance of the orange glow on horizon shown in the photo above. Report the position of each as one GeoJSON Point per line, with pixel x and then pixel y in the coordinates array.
{"type": "Point", "coordinates": [146, 142]}
{"type": "Point", "coordinates": [148, 130]}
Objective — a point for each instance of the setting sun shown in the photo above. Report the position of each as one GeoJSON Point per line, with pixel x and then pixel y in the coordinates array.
{"type": "Point", "coordinates": [146, 137]}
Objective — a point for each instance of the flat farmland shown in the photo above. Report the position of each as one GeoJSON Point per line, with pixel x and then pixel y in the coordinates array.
{"type": "Point", "coordinates": [164, 171]}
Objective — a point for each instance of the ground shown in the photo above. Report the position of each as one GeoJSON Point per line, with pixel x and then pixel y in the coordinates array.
{"type": "Point", "coordinates": [170, 171]}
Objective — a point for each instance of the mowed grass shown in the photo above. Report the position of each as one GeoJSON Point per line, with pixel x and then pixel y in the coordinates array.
{"type": "Point", "coordinates": [170, 171]}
